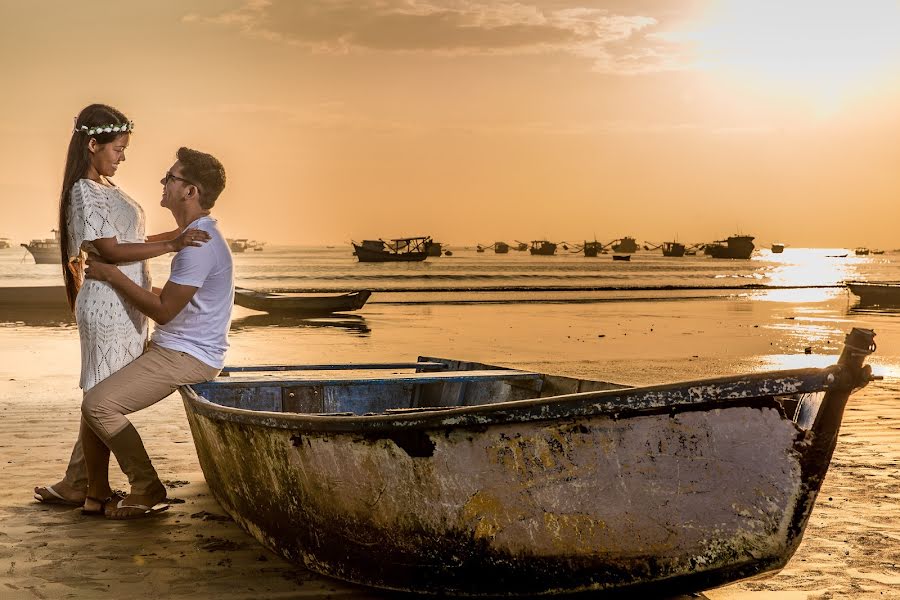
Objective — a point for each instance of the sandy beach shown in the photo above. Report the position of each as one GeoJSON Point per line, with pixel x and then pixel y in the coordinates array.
{"type": "Point", "coordinates": [851, 548]}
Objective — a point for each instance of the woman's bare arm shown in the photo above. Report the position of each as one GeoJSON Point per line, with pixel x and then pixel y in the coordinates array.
{"type": "Point", "coordinates": [162, 237]}
{"type": "Point", "coordinates": [111, 250]}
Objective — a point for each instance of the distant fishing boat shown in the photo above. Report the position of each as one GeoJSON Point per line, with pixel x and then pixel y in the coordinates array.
{"type": "Point", "coordinates": [412, 249]}
{"type": "Point", "coordinates": [542, 248]}
{"type": "Point", "coordinates": [5, 243]}
{"type": "Point", "coordinates": [45, 251]}
{"type": "Point", "coordinates": [501, 248]}
{"type": "Point", "coordinates": [621, 257]}
{"type": "Point", "coordinates": [521, 246]}
{"type": "Point", "coordinates": [625, 245]}
{"type": "Point", "coordinates": [674, 249]}
{"type": "Point", "coordinates": [861, 251]}
{"type": "Point", "coordinates": [592, 249]}
{"type": "Point", "coordinates": [454, 478]}
{"type": "Point", "coordinates": [479, 248]}
{"type": "Point", "coordinates": [736, 246]}
{"type": "Point", "coordinates": [238, 244]}
{"type": "Point", "coordinates": [300, 304]}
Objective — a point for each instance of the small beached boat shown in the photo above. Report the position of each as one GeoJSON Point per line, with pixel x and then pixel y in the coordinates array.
{"type": "Point", "coordinates": [50, 297]}
{"type": "Point", "coordinates": [876, 293]}
{"type": "Point", "coordinates": [621, 257]}
{"type": "Point", "coordinates": [462, 478]}
{"type": "Point", "coordinates": [300, 304]}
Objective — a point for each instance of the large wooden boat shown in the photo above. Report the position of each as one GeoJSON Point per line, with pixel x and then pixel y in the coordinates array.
{"type": "Point", "coordinates": [463, 478]}
{"type": "Point", "coordinates": [872, 293]}
{"type": "Point", "coordinates": [45, 251]}
{"type": "Point", "coordinates": [238, 244]}
{"type": "Point", "coordinates": [592, 249]}
{"type": "Point", "coordinates": [411, 249]}
{"type": "Point", "coordinates": [542, 248]}
{"type": "Point", "coordinates": [625, 245]}
{"type": "Point", "coordinates": [675, 249]}
{"type": "Point", "coordinates": [736, 246]}
{"type": "Point", "coordinates": [300, 304]}
{"type": "Point", "coordinates": [501, 248]}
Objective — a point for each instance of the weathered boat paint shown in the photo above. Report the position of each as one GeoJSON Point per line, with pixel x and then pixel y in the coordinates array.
{"type": "Point", "coordinates": [578, 486]}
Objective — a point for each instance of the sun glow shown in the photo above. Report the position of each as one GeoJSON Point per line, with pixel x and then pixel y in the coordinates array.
{"type": "Point", "coordinates": [823, 51]}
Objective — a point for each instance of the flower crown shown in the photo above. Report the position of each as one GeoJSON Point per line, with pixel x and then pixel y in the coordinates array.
{"type": "Point", "coordinates": [113, 128]}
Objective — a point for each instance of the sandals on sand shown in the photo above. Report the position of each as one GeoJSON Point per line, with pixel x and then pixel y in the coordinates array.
{"type": "Point", "coordinates": [99, 512]}
{"type": "Point", "coordinates": [54, 497]}
{"type": "Point", "coordinates": [142, 511]}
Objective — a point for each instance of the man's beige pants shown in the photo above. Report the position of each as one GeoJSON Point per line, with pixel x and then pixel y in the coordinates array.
{"type": "Point", "coordinates": [148, 379]}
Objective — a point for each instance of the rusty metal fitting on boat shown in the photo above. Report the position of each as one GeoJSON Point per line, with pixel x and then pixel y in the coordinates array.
{"type": "Point", "coordinates": [860, 341]}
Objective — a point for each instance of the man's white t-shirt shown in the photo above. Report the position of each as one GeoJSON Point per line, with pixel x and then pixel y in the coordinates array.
{"type": "Point", "coordinates": [201, 328]}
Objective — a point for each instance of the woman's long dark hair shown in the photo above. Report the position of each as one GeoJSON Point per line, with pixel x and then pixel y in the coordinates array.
{"type": "Point", "coordinates": [78, 159]}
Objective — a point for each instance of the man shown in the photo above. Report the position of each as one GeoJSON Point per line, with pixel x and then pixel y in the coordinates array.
{"type": "Point", "coordinates": [193, 314]}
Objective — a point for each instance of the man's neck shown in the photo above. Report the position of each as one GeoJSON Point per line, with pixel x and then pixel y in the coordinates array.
{"type": "Point", "coordinates": [189, 216]}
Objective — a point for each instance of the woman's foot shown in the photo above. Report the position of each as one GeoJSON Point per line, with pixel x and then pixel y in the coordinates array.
{"type": "Point", "coordinates": [135, 506]}
{"type": "Point", "coordinates": [60, 493]}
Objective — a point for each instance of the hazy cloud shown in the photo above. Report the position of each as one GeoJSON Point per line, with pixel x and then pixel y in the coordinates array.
{"type": "Point", "coordinates": [616, 41]}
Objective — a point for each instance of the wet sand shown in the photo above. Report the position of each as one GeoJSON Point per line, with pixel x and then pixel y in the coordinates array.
{"type": "Point", "coordinates": [851, 548]}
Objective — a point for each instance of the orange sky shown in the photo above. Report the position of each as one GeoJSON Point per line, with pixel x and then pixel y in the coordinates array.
{"type": "Point", "coordinates": [475, 121]}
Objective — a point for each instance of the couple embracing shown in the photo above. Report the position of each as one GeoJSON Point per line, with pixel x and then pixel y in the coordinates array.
{"type": "Point", "coordinates": [105, 257]}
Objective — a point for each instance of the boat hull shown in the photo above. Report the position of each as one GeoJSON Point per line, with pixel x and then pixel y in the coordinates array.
{"type": "Point", "coordinates": [496, 512]}
{"type": "Point", "coordinates": [44, 256]}
{"type": "Point", "coordinates": [369, 255]}
{"type": "Point", "coordinates": [673, 249]}
{"type": "Point", "coordinates": [301, 305]}
{"type": "Point", "coordinates": [875, 294]}
{"type": "Point", "coordinates": [679, 488]}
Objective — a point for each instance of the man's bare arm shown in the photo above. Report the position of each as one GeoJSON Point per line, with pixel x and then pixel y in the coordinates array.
{"type": "Point", "coordinates": [161, 308]}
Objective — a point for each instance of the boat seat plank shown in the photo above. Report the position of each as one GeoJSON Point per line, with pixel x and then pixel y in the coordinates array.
{"type": "Point", "coordinates": [325, 379]}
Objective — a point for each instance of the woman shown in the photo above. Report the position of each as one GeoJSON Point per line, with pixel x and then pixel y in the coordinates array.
{"type": "Point", "coordinates": [98, 217]}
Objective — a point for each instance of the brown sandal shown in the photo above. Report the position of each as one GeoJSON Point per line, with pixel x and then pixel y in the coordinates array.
{"type": "Point", "coordinates": [101, 512]}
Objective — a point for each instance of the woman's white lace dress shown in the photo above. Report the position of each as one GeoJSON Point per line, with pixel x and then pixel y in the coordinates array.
{"type": "Point", "coordinates": [113, 333]}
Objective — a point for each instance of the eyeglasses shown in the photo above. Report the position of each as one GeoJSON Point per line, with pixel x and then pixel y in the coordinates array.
{"type": "Point", "coordinates": [169, 177]}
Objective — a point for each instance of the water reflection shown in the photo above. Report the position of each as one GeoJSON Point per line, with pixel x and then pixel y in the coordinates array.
{"type": "Point", "coordinates": [352, 323]}
{"type": "Point", "coordinates": [810, 266]}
